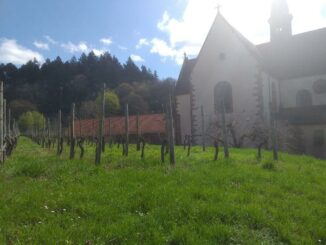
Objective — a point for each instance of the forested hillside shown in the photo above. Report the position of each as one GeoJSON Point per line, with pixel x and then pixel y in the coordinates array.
{"type": "Point", "coordinates": [57, 84]}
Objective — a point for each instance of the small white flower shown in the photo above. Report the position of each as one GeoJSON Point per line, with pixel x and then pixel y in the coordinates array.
{"type": "Point", "coordinates": [52, 211]}
{"type": "Point", "coordinates": [46, 207]}
{"type": "Point", "coordinates": [40, 222]}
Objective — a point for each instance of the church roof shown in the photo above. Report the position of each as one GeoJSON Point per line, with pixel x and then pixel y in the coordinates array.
{"type": "Point", "coordinates": [298, 56]}
{"type": "Point", "coordinates": [183, 84]}
{"type": "Point", "coordinates": [301, 55]}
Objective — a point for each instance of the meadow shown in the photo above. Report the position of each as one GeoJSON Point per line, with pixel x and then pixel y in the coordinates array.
{"type": "Point", "coordinates": [46, 199]}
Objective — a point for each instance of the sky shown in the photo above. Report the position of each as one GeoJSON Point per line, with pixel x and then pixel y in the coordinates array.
{"type": "Point", "coordinates": [154, 33]}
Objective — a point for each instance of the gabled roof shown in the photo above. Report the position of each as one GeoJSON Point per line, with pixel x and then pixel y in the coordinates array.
{"type": "Point", "coordinates": [301, 55]}
{"type": "Point", "coordinates": [245, 42]}
{"type": "Point", "coordinates": [183, 84]}
{"type": "Point", "coordinates": [149, 124]}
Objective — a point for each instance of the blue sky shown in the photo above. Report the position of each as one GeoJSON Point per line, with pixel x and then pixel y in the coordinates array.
{"type": "Point", "coordinates": [154, 33]}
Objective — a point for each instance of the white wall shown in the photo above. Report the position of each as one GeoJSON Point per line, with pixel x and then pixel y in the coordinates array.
{"type": "Point", "coordinates": [239, 68]}
{"type": "Point", "coordinates": [311, 149]}
{"type": "Point", "coordinates": [184, 111]}
{"type": "Point", "coordinates": [289, 89]}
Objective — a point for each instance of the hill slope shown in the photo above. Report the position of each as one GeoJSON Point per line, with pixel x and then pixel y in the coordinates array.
{"type": "Point", "coordinates": [45, 199]}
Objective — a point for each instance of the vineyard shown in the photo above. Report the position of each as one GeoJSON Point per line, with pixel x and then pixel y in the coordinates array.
{"type": "Point", "coordinates": [163, 122]}
{"type": "Point", "coordinates": [122, 180]}
{"type": "Point", "coordinates": [49, 199]}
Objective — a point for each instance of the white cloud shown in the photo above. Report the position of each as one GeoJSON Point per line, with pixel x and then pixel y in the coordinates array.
{"type": "Point", "coordinates": [163, 49]}
{"type": "Point", "coordinates": [136, 58]}
{"type": "Point", "coordinates": [82, 47]}
{"type": "Point", "coordinates": [50, 39]}
{"type": "Point", "coordinates": [187, 34]}
{"type": "Point", "coordinates": [75, 48]}
{"type": "Point", "coordinates": [99, 52]}
{"type": "Point", "coordinates": [142, 42]}
{"type": "Point", "coordinates": [41, 45]}
{"type": "Point", "coordinates": [122, 48]}
{"type": "Point", "coordinates": [12, 52]}
{"type": "Point", "coordinates": [106, 41]}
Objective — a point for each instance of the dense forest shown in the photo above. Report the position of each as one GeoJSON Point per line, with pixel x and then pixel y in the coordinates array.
{"type": "Point", "coordinates": [56, 84]}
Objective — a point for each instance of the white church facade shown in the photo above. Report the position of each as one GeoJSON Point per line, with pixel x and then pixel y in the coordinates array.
{"type": "Point", "coordinates": [284, 79]}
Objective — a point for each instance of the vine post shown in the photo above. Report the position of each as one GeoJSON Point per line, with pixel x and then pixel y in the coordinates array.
{"type": "Point", "coordinates": [1, 123]}
{"type": "Point", "coordinates": [72, 132]}
{"type": "Point", "coordinates": [60, 143]}
{"type": "Point", "coordinates": [126, 150]}
{"type": "Point", "coordinates": [100, 129]}
{"type": "Point", "coordinates": [171, 132]}
{"type": "Point", "coordinates": [225, 136]}
{"type": "Point", "coordinates": [203, 128]}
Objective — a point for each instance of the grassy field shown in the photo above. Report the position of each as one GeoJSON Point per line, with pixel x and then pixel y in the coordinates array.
{"type": "Point", "coordinates": [46, 199]}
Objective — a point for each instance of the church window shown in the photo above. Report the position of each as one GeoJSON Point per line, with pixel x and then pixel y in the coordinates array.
{"type": "Point", "coordinates": [320, 86]}
{"type": "Point", "coordinates": [304, 98]}
{"type": "Point", "coordinates": [319, 138]}
{"type": "Point", "coordinates": [223, 96]}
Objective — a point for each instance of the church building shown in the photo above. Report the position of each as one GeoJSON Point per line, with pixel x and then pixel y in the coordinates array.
{"type": "Point", "coordinates": [281, 82]}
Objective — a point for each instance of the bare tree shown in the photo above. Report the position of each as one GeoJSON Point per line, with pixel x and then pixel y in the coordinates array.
{"type": "Point", "coordinates": [260, 136]}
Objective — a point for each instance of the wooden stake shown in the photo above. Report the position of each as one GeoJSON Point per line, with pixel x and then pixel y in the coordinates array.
{"type": "Point", "coordinates": [59, 145]}
{"type": "Point", "coordinates": [14, 127]}
{"type": "Point", "coordinates": [4, 118]}
{"type": "Point", "coordinates": [110, 132]}
{"type": "Point", "coordinates": [274, 138]}
{"type": "Point", "coordinates": [43, 133]}
{"type": "Point", "coordinates": [49, 133]}
{"type": "Point", "coordinates": [100, 130]}
{"type": "Point", "coordinates": [93, 130]}
{"type": "Point", "coordinates": [216, 150]}
{"type": "Point", "coordinates": [273, 124]}
{"type": "Point", "coordinates": [9, 123]}
{"type": "Point", "coordinates": [72, 132]}
{"type": "Point", "coordinates": [171, 131]}
{"type": "Point", "coordinates": [167, 128]}
{"type": "Point", "coordinates": [104, 134]}
{"type": "Point", "coordinates": [138, 132]}
{"type": "Point", "coordinates": [203, 133]}
{"type": "Point", "coordinates": [225, 136]}
{"type": "Point", "coordinates": [1, 124]}
{"type": "Point", "coordinates": [126, 151]}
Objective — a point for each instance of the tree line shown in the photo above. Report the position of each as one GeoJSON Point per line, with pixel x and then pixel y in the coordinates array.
{"type": "Point", "coordinates": [55, 85]}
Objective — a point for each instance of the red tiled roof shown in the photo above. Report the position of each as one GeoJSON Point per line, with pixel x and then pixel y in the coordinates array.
{"type": "Point", "coordinates": [149, 124]}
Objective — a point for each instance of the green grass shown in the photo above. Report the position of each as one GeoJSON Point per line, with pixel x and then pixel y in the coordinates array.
{"type": "Point", "coordinates": [45, 199]}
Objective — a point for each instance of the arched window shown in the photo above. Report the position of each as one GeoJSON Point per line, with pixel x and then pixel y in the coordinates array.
{"type": "Point", "coordinates": [304, 98]}
{"type": "Point", "coordinates": [320, 86]}
{"type": "Point", "coordinates": [223, 95]}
